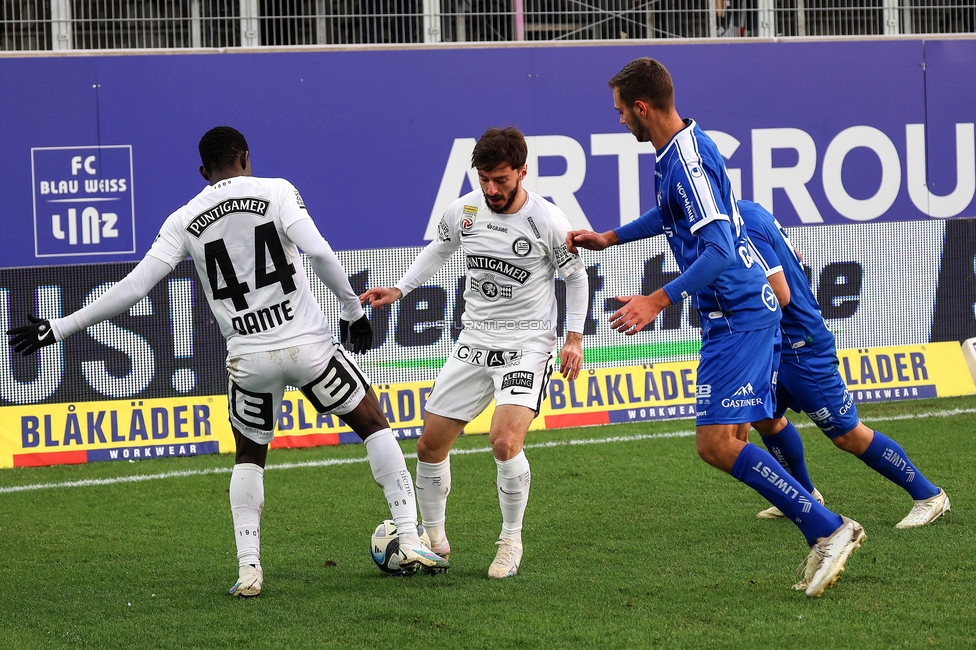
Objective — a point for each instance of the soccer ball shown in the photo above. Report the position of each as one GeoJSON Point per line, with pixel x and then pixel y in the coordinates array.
{"type": "Point", "coordinates": [385, 549]}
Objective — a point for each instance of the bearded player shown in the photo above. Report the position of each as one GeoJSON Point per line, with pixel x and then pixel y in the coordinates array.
{"type": "Point", "coordinates": [514, 245]}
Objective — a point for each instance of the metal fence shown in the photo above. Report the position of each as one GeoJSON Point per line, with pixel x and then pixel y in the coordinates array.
{"type": "Point", "coordinates": [90, 25]}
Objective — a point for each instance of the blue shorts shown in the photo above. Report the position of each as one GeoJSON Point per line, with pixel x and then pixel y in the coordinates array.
{"type": "Point", "coordinates": [810, 383]}
{"type": "Point", "coordinates": [736, 378]}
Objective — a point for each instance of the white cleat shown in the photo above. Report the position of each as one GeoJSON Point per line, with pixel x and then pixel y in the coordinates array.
{"type": "Point", "coordinates": [249, 582]}
{"type": "Point", "coordinates": [416, 552]}
{"type": "Point", "coordinates": [925, 511]}
{"type": "Point", "coordinates": [775, 513]}
{"type": "Point", "coordinates": [507, 559]}
{"type": "Point", "coordinates": [829, 555]}
{"type": "Point", "coordinates": [808, 568]}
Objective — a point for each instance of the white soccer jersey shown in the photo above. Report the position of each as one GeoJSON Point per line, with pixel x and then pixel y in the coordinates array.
{"type": "Point", "coordinates": [511, 262]}
{"type": "Point", "coordinates": [251, 272]}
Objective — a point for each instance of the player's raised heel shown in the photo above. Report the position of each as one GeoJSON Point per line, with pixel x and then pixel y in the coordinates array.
{"type": "Point", "coordinates": [829, 555]}
{"type": "Point", "coordinates": [444, 550]}
{"type": "Point", "coordinates": [775, 513]}
{"type": "Point", "coordinates": [925, 511]}
{"type": "Point", "coordinates": [507, 559]}
{"type": "Point", "coordinates": [249, 582]}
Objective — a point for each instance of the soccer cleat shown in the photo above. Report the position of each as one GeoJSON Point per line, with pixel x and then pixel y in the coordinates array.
{"type": "Point", "coordinates": [829, 555]}
{"type": "Point", "coordinates": [249, 582]}
{"type": "Point", "coordinates": [775, 513]}
{"type": "Point", "coordinates": [417, 553]}
{"type": "Point", "coordinates": [507, 559]}
{"type": "Point", "coordinates": [925, 511]}
{"type": "Point", "coordinates": [807, 567]}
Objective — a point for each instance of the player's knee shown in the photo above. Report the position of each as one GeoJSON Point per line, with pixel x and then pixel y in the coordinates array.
{"type": "Point", "coordinates": [506, 447]}
{"type": "Point", "coordinates": [248, 451]}
{"type": "Point", "coordinates": [429, 451]}
{"type": "Point", "coordinates": [855, 441]}
{"type": "Point", "coordinates": [706, 451]}
{"type": "Point", "coordinates": [769, 427]}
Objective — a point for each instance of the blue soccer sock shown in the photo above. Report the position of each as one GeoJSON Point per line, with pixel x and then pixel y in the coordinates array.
{"type": "Point", "coordinates": [886, 457]}
{"type": "Point", "coordinates": [787, 447]}
{"type": "Point", "coordinates": [759, 470]}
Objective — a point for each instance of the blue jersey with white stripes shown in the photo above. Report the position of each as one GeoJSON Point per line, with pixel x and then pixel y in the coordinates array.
{"type": "Point", "coordinates": [693, 190]}
{"type": "Point", "coordinates": [803, 325]}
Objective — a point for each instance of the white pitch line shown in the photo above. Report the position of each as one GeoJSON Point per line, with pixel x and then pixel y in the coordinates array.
{"type": "Point", "coordinates": [138, 478]}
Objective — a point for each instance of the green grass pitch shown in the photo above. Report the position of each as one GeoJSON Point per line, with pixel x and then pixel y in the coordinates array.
{"type": "Point", "coordinates": [631, 542]}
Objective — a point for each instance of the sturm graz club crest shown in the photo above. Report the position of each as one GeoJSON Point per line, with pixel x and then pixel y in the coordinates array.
{"type": "Point", "coordinates": [491, 290]}
{"type": "Point", "coordinates": [522, 247]}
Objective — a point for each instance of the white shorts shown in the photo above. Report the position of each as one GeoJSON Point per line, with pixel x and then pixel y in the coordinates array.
{"type": "Point", "coordinates": [473, 375]}
{"type": "Point", "coordinates": [328, 378]}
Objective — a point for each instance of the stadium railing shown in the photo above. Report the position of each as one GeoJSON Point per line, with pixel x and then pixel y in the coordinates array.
{"type": "Point", "coordinates": [58, 25]}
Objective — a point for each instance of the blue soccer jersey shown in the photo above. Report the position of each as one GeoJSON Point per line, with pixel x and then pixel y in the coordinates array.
{"type": "Point", "coordinates": [696, 208]}
{"type": "Point", "coordinates": [803, 325]}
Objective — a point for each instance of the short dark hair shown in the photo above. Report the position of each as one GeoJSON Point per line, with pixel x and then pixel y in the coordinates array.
{"type": "Point", "coordinates": [499, 146]}
{"type": "Point", "coordinates": [645, 79]}
{"type": "Point", "coordinates": [221, 147]}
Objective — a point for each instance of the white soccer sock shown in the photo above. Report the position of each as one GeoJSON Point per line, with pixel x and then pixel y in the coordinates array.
{"type": "Point", "coordinates": [433, 486]}
{"type": "Point", "coordinates": [390, 473]}
{"type": "Point", "coordinates": [246, 504]}
{"type": "Point", "coordinates": [514, 477]}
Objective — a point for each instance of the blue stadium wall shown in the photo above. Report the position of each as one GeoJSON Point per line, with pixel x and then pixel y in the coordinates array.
{"type": "Point", "coordinates": [864, 149]}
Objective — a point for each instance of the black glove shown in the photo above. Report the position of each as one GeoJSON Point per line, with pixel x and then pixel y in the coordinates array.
{"type": "Point", "coordinates": [356, 336]}
{"type": "Point", "coordinates": [28, 339]}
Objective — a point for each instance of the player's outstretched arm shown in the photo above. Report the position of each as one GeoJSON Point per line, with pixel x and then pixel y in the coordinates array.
{"type": "Point", "coordinates": [428, 262]}
{"type": "Point", "coordinates": [326, 266]}
{"type": "Point", "coordinates": [38, 333]}
{"type": "Point", "coordinates": [594, 241]}
{"type": "Point", "coordinates": [379, 297]}
{"type": "Point", "coordinates": [355, 330]}
{"type": "Point", "coordinates": [638, 311]}
{"type": "Point", "coordinates": [28, 339]}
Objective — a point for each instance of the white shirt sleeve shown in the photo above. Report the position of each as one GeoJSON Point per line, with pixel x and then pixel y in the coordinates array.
{"type": "Point", "coordinates": [123, 295]}
{"type": "Point", "coordinates": [326, 266]}
{"type": "Point", "coordinates": [566, 263]}
{"type": "Point", "coordinates": [170, 244]}
{"type": "Point", "coordinates": [433, 257]}
{"type": "Point", "coordinates": [291, 207]}
{"type": "Point", "coordinates": [577, 299]}
{"type": "Point", "coordinates": [570, 268]}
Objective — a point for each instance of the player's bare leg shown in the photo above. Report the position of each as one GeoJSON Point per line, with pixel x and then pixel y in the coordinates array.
{"type": "Point", "coordinates": [390, 473]}
{"type": "Point", "coordinates": [509, 425]}
{"type": "Point", "coordinates": [434, 476]}
{"type": "Point", "coordinates": [720, 444]}
{"type": "Point", "coordinates": [246, 504]}
{"type": "Point", "coordinates": [855, 441]}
